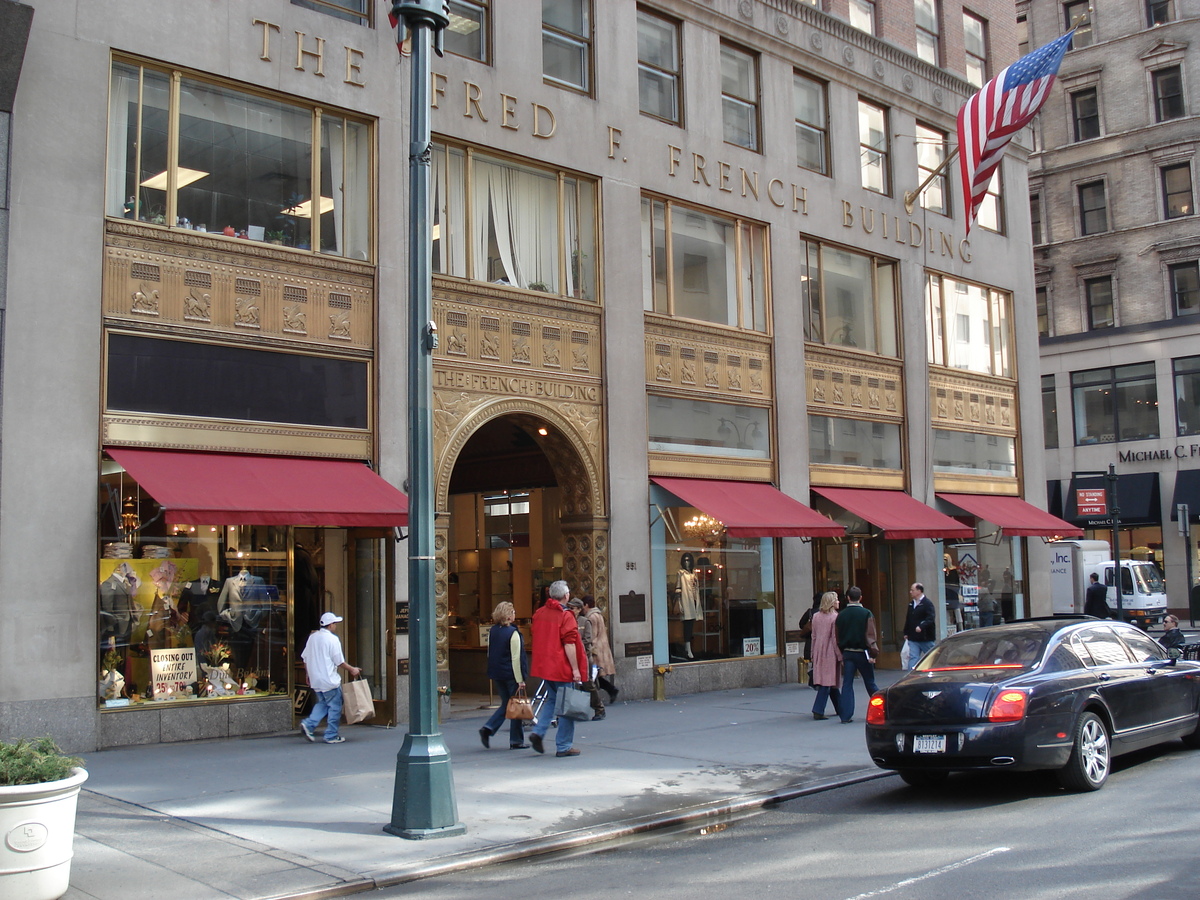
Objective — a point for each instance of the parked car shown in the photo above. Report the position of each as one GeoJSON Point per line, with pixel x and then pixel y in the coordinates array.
{"type": "Point", "coordinates": [1062, 693]}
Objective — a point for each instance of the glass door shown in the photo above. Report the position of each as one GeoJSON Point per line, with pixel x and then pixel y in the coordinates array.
{"type": "Point", "coordinates": [371, 639]}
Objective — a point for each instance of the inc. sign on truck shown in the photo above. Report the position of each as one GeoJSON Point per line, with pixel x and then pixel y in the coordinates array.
{"type": "Point", "coordinates": [1143, 594]}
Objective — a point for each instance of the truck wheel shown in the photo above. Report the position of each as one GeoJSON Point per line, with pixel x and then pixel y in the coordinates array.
{"type": "Point", "coordinates": [1091, 757]}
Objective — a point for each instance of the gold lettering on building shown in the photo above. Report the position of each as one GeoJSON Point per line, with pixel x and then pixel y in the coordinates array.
{"type": "Point", "coordinates": [771, 192]}
{"type": "Point", "coordinates": [698, 172]}
{"type": "Point", "coordinates": [508, 112]}
{"type": "Point", "coordinates": [672, 159]}
{"type": "Point", "coordinates": [750, 183]}
{"type": "Point", "coordinates": [517, 385]}
{"type": "Point", "coordinates": [538, 109]}
{"type": "Point", "coordinates": [437, 89]}
{"type": "Point", "coordinates": [614, 141]}
{"type": "Point", "coordinates": [354, 60]}
{"type": "Point", "coordinates": [267, 28]}
{"type": "Point", "coordinates": [471, 97]}
{"type": "Point", "coordinates": [723, 177]}
{"type": "Point", "coordinates": [302, 52]}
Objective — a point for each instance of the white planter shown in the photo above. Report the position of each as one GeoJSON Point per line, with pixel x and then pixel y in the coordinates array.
{"type": "Point", "coordinates": [37, 829]}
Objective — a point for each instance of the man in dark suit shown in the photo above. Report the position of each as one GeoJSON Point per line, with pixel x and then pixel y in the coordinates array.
{"type": "Point", "coordinates": [1095, 600]}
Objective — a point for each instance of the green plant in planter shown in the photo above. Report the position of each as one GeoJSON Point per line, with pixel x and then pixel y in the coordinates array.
{"type": "Point", "coordinates": [34, 762]}
{"type": "Point", "coordinates": [275, 237]}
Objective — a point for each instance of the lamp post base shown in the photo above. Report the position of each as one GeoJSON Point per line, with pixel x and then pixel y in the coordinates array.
{"type": "Point", "coordinates": [423, 805]}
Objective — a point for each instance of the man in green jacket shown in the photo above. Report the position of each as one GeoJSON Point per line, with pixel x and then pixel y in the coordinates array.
{"type": "Point", "coordinates": [856, 640]}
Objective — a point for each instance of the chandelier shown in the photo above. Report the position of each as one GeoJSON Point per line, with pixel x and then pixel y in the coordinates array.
{"type": "Point", "coordinates": [704, 528]}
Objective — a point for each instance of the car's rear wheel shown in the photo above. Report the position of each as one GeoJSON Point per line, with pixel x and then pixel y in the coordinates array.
{"type": "Point", "coordinates": [1091, 756]}
{"type": "Point", "coordinates": [923, 778]}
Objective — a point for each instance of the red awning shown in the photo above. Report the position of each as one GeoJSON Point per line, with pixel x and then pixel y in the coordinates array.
{"type": "Point", "coordinates": [1014, 516]}
{"type": "Point", "coordinates": [235, 489]}
{"type": "Point", "coordinates": [898, 515]}
{"type": "Point", "coordinates": [751, 508]}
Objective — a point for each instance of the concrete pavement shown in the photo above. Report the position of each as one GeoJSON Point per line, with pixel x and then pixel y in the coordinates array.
{"type": "Point", "coordinates": [276, 816]}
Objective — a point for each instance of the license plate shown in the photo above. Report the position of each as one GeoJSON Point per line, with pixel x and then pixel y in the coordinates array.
{"type": "Point", "coordinates": [929, 743]}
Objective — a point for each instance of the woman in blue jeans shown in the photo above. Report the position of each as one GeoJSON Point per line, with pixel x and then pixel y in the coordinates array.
{"type": "Point", "coordinates": [826, 657]}
{"type": "Point", "coordinates": [508, 669]}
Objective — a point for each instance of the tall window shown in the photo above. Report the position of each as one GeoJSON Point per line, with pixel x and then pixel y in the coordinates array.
{"type": "Point", "coordinates": [1042, 302]}
{"type": "Point", "coordinates": [507, 223]}
{"type": "Point", "coordinates": [968, 453]}
{"type": "Point", "coordinates": [812, 123]}
{"type": "Point", "coordinates": [968, 326]}
{"type": "Point", "coordinates": [1177, 190]}
{"type": "Point", "coordinates": [1093, 208]}
{"type": "Point", "coordinates": [468, 32]}
{"type": "Point", "coordinates": [1022, 35]}
{"type": "Point", "coordinates": [1099, 294]}
{"type": "Point", "coordinates": [350, 10]}
{"type": "Point", "coordinates": [975, 45]}
{"type": "Point", "coordinates": [873, 147]}
{"type": "Point", "coordinates": [567, 43]}
{"type": "Point", "coordinates": [991, 210]}
{"type": "Point", "coordinates": [658, 67]}
{"type": "Point", "coordinates": [699, 265]}
{"type": "Point", "coordinates": [739, 97]}
{"type": "Point", "coordinates": [1078, 15]}
{"type": "Point", "coordinates": [926, 14]}
{"type": "Point", "coordinates": [244, 165]}
{"type": "Point", "coordinates": [1159, 12]}
{"type": "Point", "coordinates": [862, 15]}
{"type": "Point", "coordinates": [834, 441]}
{"type": "Point", "coordinates": [1049, 412]}
{"type": "Point", "coordinates": [1115, 404]}
{"type": "Point", "coordinates": [931, 153]}
{"type": "Point", "coordinates": [1185, 288]}
{"type": "Point", "coordinates": [1035, 218]}
{"type": "Point", "coordinates": [1168, 93]}
{"type": "Point", "coordinates": [1187, 395]}
{"type": "Point", "coordinates": [850, 299]}
{"type": "Point", "coordinates": [1085, 112]}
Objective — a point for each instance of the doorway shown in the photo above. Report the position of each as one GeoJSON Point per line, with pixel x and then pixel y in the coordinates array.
{"type": "Point", "coordinates": [883, 569]}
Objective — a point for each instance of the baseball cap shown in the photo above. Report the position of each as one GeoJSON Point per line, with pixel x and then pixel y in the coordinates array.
{"type": "Point", "coordinates": [329, 619]}
{"type": "Point", "coordinates": [575, 603]}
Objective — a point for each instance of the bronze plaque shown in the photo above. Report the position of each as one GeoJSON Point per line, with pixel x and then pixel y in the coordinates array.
{"type": "Point", "coordinates": [793, 637]}
{"type": "Point", "coordinates": [639, 648]}
{"type": "Point", "coordinates": [632, 607]}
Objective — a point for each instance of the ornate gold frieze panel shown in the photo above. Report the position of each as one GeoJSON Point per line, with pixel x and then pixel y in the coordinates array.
{"type": "Point", "coordinates": [212, 285]}
{"type": "Point", "coordinates": [841, 383]}
{"type": "Point", "coordinates": [684, 465]}
{"type": "Point", "coordinates": [964, 401]}
{"type": "Point", "coordinates": [239, 437]}
{"type": "Point", "coordinates": [693, 357]}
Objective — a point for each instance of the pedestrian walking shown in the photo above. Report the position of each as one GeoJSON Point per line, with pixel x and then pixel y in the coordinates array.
{"type": "Point", "coordinates": [323, 662]}
{"type": "Point", "coordinates": [1095, 600]}
{"type": "Point", "coordinates": [558, 659]}
{"type": "Point", "coordinates": [806, 633]}
{"type": "Point", "coordinates": [508, 670]}
{"type": "Point", "coordinates": [604, 661]}
{"type": "Point", "coordinates": [826, 656]}
{"type": "Point", "coordinates": [920, 625]}
{"type": "Point", "coordinates": [575, 605]}
{"type": "Point", "coordinates": [856, 640]}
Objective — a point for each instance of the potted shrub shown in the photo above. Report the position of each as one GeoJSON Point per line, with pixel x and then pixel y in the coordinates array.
{"type": "Point", "coordinates": [39, 789]}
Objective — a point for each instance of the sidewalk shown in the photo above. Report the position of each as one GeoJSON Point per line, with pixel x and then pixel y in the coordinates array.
{"type": "Point", "coordinates": [280, 817]}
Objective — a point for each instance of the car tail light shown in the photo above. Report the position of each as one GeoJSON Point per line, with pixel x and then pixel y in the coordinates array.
{"type": "Point", "coordinates": [875, 710]}
{"type": "Point", "coordinates": [1009, 706]}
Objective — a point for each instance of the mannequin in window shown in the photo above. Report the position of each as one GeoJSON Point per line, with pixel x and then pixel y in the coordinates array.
{"type": "Point", "coordinates": [688, 591]}
{"type": "Point", "coordinates": [236, 606]}
{"type": "Point", "coordinates": [119, 613]}
{"type": "Point", "coordinates": [196, 600]}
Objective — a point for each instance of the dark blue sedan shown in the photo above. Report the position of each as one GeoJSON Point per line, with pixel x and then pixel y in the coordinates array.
{"type": "Point", "coordinates": [1060, 693]}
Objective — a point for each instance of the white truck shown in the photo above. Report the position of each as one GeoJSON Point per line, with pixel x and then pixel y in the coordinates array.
{"type": "Point", "coordinates": [1143, 594]}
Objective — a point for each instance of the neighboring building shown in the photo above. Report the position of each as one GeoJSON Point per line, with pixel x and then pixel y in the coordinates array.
{"type": "Point", "coordinates": [696, 355]}
{"type": "Point", "coordinates": [1117, 258]}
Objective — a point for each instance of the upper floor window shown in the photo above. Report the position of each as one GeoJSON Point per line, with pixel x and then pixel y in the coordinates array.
{"type": "Point", "coordinates": [1177, 190]}
{"type": "Point", "coordinates": [350, 10]}
{"type": "Point", "coordinates": [931, 153]}
{"type": "Point", "coordinates": [969, 453]}
{"type": "Point", "coordinates": [567, 43]}
{"type": "Point", "coordinates": [1022, 35]}
{"type": "Point", "coordinates": [975, 45]}
{"type": "Point", "coordinates": [1035, 218]}
{"type": "Point", "coordinates": [991, 211]}
{"type": "Point", "coordinates": [1078, 15]}
{"type": "Point", "coordinates": [739, 97]}
{"type": "Point", "coordinates": [469, 31]}
{"type": "Point", "coordinates": [812, 123]}
{"type": "Point", "coordinates": [968, 326]}
{"type": "Point", "coordinates": [1049, 412]}
{"type": "Point", "coordinates": [242, 165]}
{"type": "Point", "coordinates": [926, 14]}
{"type": "Point", "coordinates": [704, 266]}
{"type": "Point", "coordinates": [862, 15]}
{"type": "Point", "coordinates": [1187, 395]}
{"type": "Point", "coordinates": [1159, 12]}
{"type": "Point", "coordinates": [659, 83]}
{"type": "Point", "coordinates": [1168, 93]}
{"type": "Point", "coordinates": [873, 152]}
{"type": "Point", "coordinates": [1185, 288]}
{"type": "Point", "coordinates": [836, 441]}
{"type": "Point", "coordinates": [1115, 404]}
{"type": "Point", "coordinates": [850, 299]}
{"type": "Point", "coordinates": [520, 225]}
{"type": "Point", "coordinates": [1093, 208]}
{"type": "Point", "coordinates": [1099, 295]}
{"type": "Point", "coordinates": [1041, 298]}
{"type": "Point", "coordinates": [1085, 112]}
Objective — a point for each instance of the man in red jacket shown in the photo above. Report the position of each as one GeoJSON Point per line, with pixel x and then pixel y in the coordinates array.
{"type": "Point", "coordinates": [558, 659]}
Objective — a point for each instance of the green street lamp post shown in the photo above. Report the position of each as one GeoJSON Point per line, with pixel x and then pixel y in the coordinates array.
{"type": "Point", "coordinates": [423, 804]}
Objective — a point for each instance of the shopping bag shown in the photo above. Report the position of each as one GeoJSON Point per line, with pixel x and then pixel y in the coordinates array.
{"type": "Point", "coordinates": [574, 703]}
{"type": "Point", "coordinates": [357, 704]}
{"type": "Point", "coordinates": [519, 706]}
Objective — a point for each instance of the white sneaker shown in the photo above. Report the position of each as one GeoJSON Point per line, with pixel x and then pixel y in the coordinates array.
{"type": "Point", "coordinates": [308, 735]}
{"type": "Point", "coordinates": [337, 740]}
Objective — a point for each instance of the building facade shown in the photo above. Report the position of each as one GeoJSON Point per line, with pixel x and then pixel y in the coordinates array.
{"type": "Point", "coordinates": [699, 354]}
{"type": "Point", "coordinates": [1116, 256]}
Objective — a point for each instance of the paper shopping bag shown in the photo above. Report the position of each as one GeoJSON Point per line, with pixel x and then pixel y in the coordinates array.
{"type": "Point", "coordinates": [357, 704]}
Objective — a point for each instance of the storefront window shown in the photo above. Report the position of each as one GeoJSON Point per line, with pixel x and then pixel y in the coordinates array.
{"type": "Point", "coordinates": [1116, 404]}
{"type": "Point", "coordinates": [987, 579]}
{"type": "Point", "coordinates": [968, 326]}
{"type": "Point", "coordinates": [970, 453]}
{"type": "Point", "coordinates": [244, 167]}
{"type": "Point", "coordinates": [850, 299]}
{"type": "Point", "coordinates": [680, 425]}
{"type": "Point", "coordinates": [854, 442]}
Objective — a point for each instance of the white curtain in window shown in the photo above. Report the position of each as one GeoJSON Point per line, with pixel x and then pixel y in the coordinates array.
{"type": "Point", "coordinates": [124, 93]}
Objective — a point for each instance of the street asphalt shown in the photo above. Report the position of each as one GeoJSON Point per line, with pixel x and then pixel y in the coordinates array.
{"type": "Point", "coordinates": [277, 816]}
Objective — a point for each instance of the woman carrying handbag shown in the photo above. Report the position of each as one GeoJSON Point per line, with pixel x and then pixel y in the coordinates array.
{"type": "Point", "coordinates": [826, 657]}
{"type": "Point", "coordinates": [508, 670]}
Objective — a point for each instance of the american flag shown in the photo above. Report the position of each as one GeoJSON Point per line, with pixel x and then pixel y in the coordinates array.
{"type": "Point", "coordinates": [1003, 106]}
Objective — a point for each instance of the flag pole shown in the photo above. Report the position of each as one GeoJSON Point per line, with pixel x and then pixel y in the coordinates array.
{"type": "Point", "coordinates": [910, 197]}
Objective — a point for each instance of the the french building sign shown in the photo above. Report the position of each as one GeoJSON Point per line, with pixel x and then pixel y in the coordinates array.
{"type": "Point", "coordinates": [1160, 454]}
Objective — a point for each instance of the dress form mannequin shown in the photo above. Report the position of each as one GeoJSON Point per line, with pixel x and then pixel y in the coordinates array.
{"type": "Point", "coordinates": [689, 600]}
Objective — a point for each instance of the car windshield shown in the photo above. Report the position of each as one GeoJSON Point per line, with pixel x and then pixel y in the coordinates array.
{"type": "Point", "coordinates": [1149, 580]}
{"type": "Point", "coordinates": [986, 649]}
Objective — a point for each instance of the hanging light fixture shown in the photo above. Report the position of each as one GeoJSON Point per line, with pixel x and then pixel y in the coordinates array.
{"type": "Point", "coordinates": [704, 528]}
{"type": "Point", "coordinates": [130, 520]}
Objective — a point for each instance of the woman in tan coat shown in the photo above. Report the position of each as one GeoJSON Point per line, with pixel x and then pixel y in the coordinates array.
{"type": "Point", "coordinates": [826, 657]}
{"type": "Point", "coordinates": [602, 656]}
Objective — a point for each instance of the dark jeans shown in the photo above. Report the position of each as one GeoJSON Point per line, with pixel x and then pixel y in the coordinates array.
{"type": "Point", "coordinates": [855, 661]}
{"type": "Point", "coordinates": [824, 694]}
{"type": "Point", "coordinates": [516, 728]}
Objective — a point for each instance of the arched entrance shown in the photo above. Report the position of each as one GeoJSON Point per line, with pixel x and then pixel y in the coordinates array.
{"type": "Point", "coordinates": [519, 505]}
